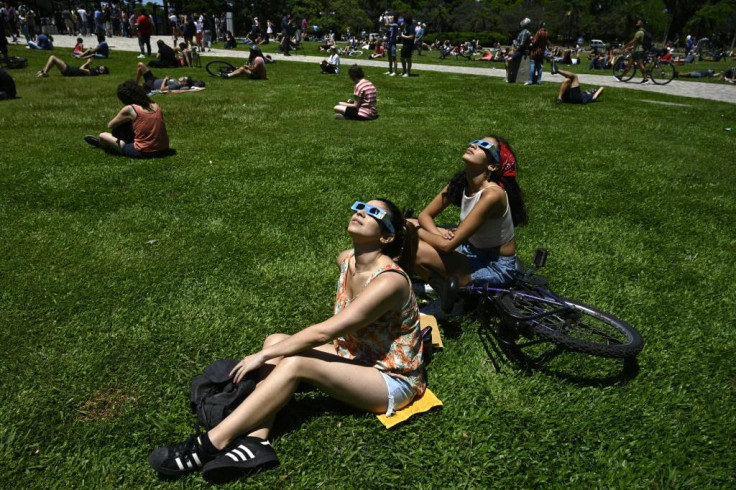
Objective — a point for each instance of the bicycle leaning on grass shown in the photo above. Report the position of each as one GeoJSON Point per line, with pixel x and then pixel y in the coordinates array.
{"type": "Point", "coordinates": [659, 71]}
{"type": "Point", "coordinates": [355, 53]}
{"type": "Point", "coordinates": [527, 309]}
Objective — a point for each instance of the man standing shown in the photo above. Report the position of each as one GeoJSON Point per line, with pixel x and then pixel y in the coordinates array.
{"type": "Point", "coordinates": [82, 21]}
{"type": "Point", "coordinates": [536, 56]}
{"type": "Point", "coordinates": [391, 37]}
{"type": "Point", "coordinates": [636, 45]}
{"type": "Point", "coordinates": [286, 34]}
{"type": "Point", "coordinates": [408, 34]}
{"type": "Point", "coordinates": [145, 29]}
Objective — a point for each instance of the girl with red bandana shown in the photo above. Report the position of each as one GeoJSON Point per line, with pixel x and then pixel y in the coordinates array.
{"type": "Point", "coordinates": [482, 248]}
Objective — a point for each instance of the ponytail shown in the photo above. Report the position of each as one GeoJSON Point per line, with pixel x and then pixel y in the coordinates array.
{"type": "Point", "coordinates": [403, 248]}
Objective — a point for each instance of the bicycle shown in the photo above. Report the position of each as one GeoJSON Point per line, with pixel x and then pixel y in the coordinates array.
{"type": "Point", "coordinates": [526, 309]}
{"type": "Point", "coordinates": [659, 71]}
{"type": "Point", "coordinates": [354, 53]}
{"type": "Point", "coordinates": [218, 68]}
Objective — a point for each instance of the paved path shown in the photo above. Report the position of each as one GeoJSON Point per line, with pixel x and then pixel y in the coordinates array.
{"type": "Point", "coordinates": [711, 91]}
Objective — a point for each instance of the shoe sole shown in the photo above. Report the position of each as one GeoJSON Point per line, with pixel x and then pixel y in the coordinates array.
{"type": "Point", "coordinates": [221, 471]}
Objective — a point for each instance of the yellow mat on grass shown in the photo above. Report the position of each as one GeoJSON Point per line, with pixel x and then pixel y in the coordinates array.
{"type": "Point", "coordinates": [427, 402]}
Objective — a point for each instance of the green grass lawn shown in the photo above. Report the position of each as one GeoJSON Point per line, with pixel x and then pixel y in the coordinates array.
{"type": "Point", "coordinates": [121, 280]}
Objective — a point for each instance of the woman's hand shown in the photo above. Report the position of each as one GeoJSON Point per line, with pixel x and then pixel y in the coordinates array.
{"type": "Point", "coordinates": [248, 364]}
{"type": "Point", "coordinates": [447, 234]}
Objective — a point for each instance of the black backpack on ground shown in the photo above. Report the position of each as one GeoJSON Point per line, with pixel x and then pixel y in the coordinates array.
{"type": "Point", "coordinates": [213, 395]}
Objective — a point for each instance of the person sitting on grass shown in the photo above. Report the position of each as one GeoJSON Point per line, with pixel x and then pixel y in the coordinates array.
{"type": "Point", "coordinates": [183, 55]}
{"type": "Point", "coordinates": [369, 355]}
{"type": "Point", "coordinates": [363, 107]}
{"type": "Point", "coordinates": [102, 50]}
{"type": "Point", "coordinates": [165, 57]}
{"type": "Point", "coordinates": [332, 64]}
{"type": "Point", "coordinates": [379, 52]}
{"type": "Point", "coordinates": [230, 41]}
{"type": "Point", "coordinates": [727, 75]}
{"type": "Point", "coordinates": [138, 130]}
{"type": "Point", "coordinates": [570, 92]}
{"type": "Point", "coordinates": [86, 70]}
{"type": "Point", "coordinates": [42, 41]}
{"type": "Point", "coordinates": [151, 83]}
{"type": "Point", "coordinates": [482, 248]}
{"type": "Point", "coordinates": [255, 68]}
{"type": "Point", "coordinates": [78, 48]}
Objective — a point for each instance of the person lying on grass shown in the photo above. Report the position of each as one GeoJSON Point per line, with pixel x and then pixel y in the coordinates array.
{"type": "Point", "coordinates": [161, 84]}
{"type": "Point", "coordinates": [86, 70]}
{"type": "Point", "coordinates": [363, 107]}
{"type": "Point", "coordinates": [728, 75]}
{"type": "Point", "coordinates": [138, 130]}
{"type": "Point", "coordinates": [482, 248]}
{"type": "Point", "coordinates": [570, 92]}
{"type": "Point", "coordinates": [368, 355]}
{"type": "Point", "coordinates": [255, 68]}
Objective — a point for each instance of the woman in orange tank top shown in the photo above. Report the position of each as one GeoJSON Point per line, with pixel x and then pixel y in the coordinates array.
{"type": "Point", "coordinates": [138, 130]}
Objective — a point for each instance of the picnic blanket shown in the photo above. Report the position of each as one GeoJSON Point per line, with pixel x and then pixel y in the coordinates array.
{"type": "Point", "coordinates": [175, 92]}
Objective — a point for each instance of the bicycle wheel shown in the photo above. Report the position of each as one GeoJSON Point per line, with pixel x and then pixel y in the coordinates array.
{"type": "Point", "coordinates": [355, 53]}
{"type": "Point", "coordinates": [217, 68]}
{"type": "Point", "coordinates": [577, 327]}
{"type": "Point", "coordinates": [619, 69]}
{"type": "Point", "coordinates": [662, 73]}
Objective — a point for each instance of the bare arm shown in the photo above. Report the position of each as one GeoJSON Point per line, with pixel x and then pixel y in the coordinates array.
{"type": "Point", "coordinates": [126, 114]}
{"type": "Point", "coordinates": [492, 204]}
{"type": "Point", "coordinates": [387, 292]}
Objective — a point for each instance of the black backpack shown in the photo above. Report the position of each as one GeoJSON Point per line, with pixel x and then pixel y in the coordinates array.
{"type": "Point", "coordinates": [213, 395]}
{"type": "Point", "coordinates": [647, 41]}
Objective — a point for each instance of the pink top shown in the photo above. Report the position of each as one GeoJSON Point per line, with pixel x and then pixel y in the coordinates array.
{"type": "Point", "coordinates": [150, 130]}
{"type": "Point", "coordinates": [367, 93]}
{"type": "Point", "coordinates": [393, 344]}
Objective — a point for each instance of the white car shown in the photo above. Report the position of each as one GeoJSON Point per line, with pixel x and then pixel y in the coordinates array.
{"type": "Point", "coordinates": [597, 44]}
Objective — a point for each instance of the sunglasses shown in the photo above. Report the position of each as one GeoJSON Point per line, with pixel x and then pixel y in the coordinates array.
{"type": "Point", "coordinates": [488, 147]}
{"type": "Point", "coordinates": [374, 212]}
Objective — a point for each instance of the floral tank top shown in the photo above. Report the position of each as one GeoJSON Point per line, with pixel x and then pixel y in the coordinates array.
{"type": "Point", "coordinates": [393, 344]}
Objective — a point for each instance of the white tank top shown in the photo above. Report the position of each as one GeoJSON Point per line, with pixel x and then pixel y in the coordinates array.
{"type": "Point", "coordinates": [492, 233]}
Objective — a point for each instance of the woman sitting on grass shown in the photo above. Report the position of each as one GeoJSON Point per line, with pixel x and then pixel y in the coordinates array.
{"type": "Point", "coordinates": [138, 130]}
{"type": "Point", "coordinates": [482, 248]}
{"type": "Point", "coordinates": [86, 70]}
{"type": "Point", "coordinates": [255, 68]}
{"type": "Point", "coordinates": [363, 107]}
{"type": "Point", "coordinates": [368, 355]}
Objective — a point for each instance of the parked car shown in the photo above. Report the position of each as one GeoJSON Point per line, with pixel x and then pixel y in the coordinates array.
{"type": "Point", "coordinates": [597, 44]}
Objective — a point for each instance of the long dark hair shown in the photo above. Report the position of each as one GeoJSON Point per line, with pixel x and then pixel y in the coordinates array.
{"type": "Point", "coordinates": [459, 183]}
{"type": "Point", "coordinates": [130, 92]}
{"type": "Point", "coordinates": [403, 248]}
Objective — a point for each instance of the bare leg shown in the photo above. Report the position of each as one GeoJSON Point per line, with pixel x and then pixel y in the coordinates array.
{"type": "Point", "coordinates": [141, 70]}
{"type": "Point", "coordinates": [108, 141]}
{"type": "Point", "coordinates": [360, 386]}
{"type": "Point", "coordinates": [598, 92]}
{"type": "Point", "coordinates": [564, 87]}
{"type": "Point", "coordinates": [243, 70]}
{"type": "Point", "coordinates": [431, 263]}
{"type": "Point", "coordinates": [54, 61]}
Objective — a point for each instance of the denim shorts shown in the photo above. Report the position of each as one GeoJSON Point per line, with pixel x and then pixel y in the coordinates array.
{"type": "Point", "coordinates": [488, 268]}
{"type": "Point", "coordinates": [400, 393]}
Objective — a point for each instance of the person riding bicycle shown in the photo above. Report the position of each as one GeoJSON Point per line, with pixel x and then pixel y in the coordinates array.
{"type": "Point", "coordinates": [482, 247]}
{"type": "Point", "coordinates": [638, 51]}
{"type": "Point", "coordinates": [368, 355]}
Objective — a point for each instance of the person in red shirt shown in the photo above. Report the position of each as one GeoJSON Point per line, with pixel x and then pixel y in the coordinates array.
{"type": "Point", "coordinates": [145, 29]}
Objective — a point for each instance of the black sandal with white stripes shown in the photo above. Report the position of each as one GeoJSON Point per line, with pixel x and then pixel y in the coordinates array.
{"type": "Point", "coordinates": [245, 457]}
